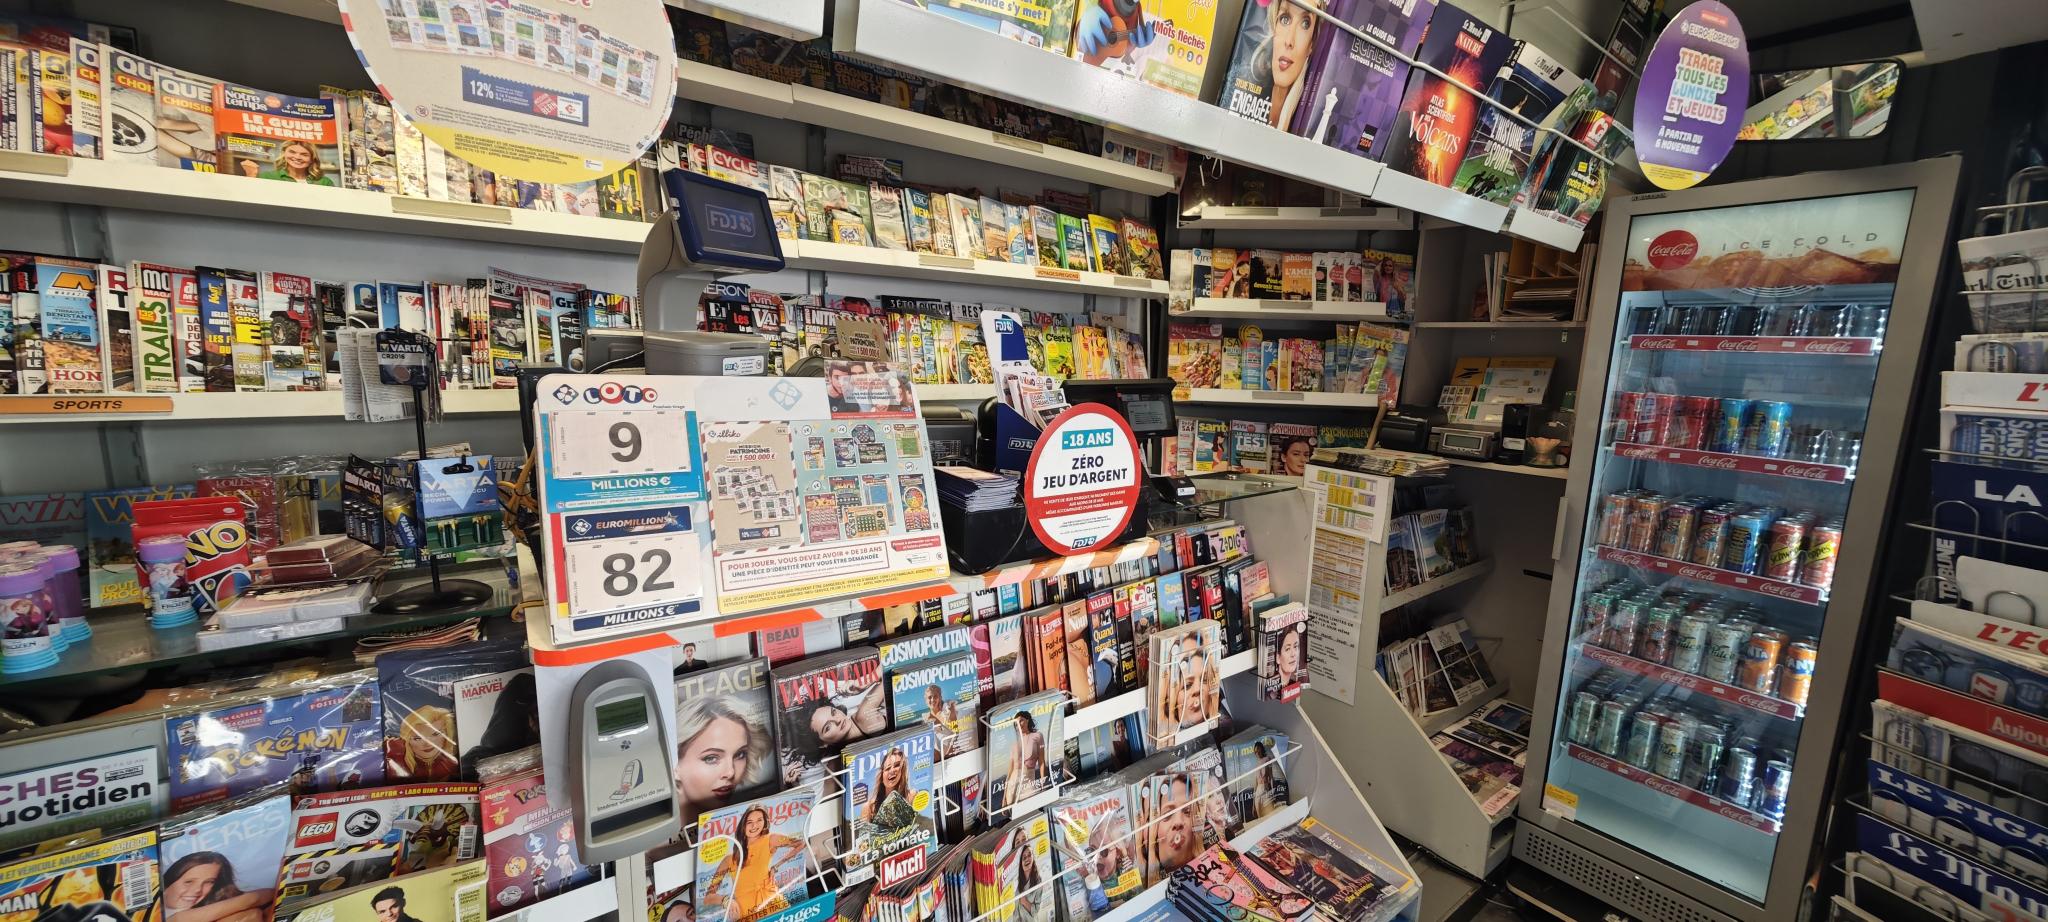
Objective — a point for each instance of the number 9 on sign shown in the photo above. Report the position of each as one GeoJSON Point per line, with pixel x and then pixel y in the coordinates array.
{"type": "Point", "coordinates": [633, 572]}
{"type": "Point", "coordinates": [600, 443]}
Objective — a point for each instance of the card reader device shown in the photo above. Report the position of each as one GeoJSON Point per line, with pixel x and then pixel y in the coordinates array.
{"type": "Point", "coordinates": [620, 782]}
{"type": "Point", "coordinates": [1147, 404]}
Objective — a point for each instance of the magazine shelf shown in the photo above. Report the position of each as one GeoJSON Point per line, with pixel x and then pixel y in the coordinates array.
{"type": "Point", "coordinates": [802, 20]}
{"type": "Point", "coordinates": [587, 903]}
{"type": "Point", "coordinates": [1665, 566]}
{"type": "Point", "coordinates": [123, 642]}
{"type": "Point", "coordinates": [1273, 309]}
{"type": "Point", "coordinates": [1276, 217]}
{"type": "Point", "coordinates": [1728, 461]}
{"type": "Point", "coordinates": [907, 36]}
{"type": "Point", "coordinates": [819, 256]}
{"type": "Point", "coordinates": [299, 406]}
{"type": "Point", "coordinates": [70, 180]}
{"type": "Point", "coordinates": [1672, 789]}
{"type": "Point", "coordinates": [733, 90]}
{"type": "Point", "coordinates": [1218, 395]}
{"type": "Point", "coordinates": [1424, 590]}
{"type": "Point", "coordinates": [1551, 473]}
{"type": "Point", "coordinates": [1153, 900]}
{"type": "Point", "coordinates": [1686, 681]}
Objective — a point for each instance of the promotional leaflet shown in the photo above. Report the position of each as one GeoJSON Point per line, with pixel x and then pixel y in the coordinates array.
{"type": "Point", "coordinates": [547, 90]}
{"type": "Point", "coordinates": [1694, 93]}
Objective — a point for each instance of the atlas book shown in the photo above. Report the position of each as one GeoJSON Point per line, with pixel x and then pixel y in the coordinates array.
{"type": "Point", "coordinates": [1437, 118]}
{"type": "Point", "coordinates": [753, 858]}
{"type": "Point", "coordinates": [888, 808]}
{"type": "Point", "coordinates": [1351, 90]}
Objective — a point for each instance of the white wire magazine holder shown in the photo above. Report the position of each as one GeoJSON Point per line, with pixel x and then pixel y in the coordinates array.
{"type": "Point", "coordinates": [1077, 863]}
{"type": "Point", "coordinates": [1038, 799]}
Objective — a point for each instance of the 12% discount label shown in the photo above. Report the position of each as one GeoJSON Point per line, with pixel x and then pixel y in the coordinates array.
{"type": "Point", "coordinates": [1081, 486]}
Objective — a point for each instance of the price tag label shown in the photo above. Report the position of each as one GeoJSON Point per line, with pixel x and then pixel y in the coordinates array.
{"type": "Point", "coordinates": [607, 443]}
{"type": "Point", "coordinates": [631, 573]}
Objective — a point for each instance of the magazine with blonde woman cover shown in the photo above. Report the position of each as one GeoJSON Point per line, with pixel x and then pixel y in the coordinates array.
{"type": "Point", "coordinates": [724, 751]}
{"type": "Point", "coordinates": [889, 809]}
{"type": "Point", "coordinates": [753, 858]}
{"type": "Point", "coordinates": [227, 854]}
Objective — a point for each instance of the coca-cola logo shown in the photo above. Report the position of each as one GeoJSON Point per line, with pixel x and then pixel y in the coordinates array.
{"type": "Point", "coordinates": [1736, 345]}
{"type": "Point", "coordinates": [1807, 471]}
{"type": "Point", "coordinates": [1828, 347]}
{"type": "Point", "coordinates": [1756, 703]}
{"type": "Point", "coordinates": [1638, 451]}
{"type": "Point", "coordinates": [1627, 559]}
{"type": "Point", "coordinates": [1717, 462]}
{"type": "Point", "coordinates": [1782, 590]}
{"type": "Point", "coordinates": [1698, 572]}
{"type": "Point", "coordinates": [1673, 249]}
{"type": "Point", "coordinates": [1662, 342]}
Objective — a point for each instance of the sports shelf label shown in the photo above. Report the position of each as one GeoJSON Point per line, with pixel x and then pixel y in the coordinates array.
{"type": "Point", "coordinates": [1081, 486]}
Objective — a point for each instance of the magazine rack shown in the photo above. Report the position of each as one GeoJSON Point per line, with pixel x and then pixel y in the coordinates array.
{"type": "Point", "coordinates": [1391, 753]}
{"type": "Point", "coordinates": [1317, 778]}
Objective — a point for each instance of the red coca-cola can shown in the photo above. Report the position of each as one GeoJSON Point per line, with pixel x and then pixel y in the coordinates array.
{"type": "Point", "coordinates": [1652, 422]}
{"type": "Point", "coordinates": [1622, 423]}
{"type": "Point", "coordinates": [1691, 421]}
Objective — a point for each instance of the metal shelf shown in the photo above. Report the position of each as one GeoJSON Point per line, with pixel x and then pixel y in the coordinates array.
{"type": "Point", "coordinates": [1424, 590]}
{"type": "Point", "coordinates": [1271, 309]}
{"type": "Point", "coordinates": [1268, 217]}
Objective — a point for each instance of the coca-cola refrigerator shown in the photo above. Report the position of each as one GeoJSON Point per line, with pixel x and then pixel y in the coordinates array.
{"type": "Point", "coordinates": [1752, 352]}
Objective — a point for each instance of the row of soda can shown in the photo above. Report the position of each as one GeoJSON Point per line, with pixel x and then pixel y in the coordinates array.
{"type": "Point", "coordinates": [1709, 753]}
{"type": "Point", "coordinates": [1767, 541]}
{"type": "Point", "coordinates": [1735, 425]}
{"type": "Point", "coordinates": [1862, 320]}
{"type": "Point", "coordinates": [1702, 634]}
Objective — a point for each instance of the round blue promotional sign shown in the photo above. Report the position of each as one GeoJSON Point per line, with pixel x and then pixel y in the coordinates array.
{"type": "Point", "coordinates": [1694, 94]}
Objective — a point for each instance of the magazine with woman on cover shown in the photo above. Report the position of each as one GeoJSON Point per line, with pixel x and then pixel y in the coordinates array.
{"type": "Point", "coordinates": [889, 808]}
{"type": "Point", "coordinates": [753, 859]}
{"type": "Point", "coordinates": [1026, 750]}
{"type": "Point", "coordinates": [723, 752]}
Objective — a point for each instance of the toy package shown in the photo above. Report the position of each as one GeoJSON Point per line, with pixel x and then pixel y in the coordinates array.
{"type": "Point", "coordinates": [529, 844]}
{"type": "Point", "coordinates": [321, 739]}
{"type": "Point", "coordinates": [350, 838]}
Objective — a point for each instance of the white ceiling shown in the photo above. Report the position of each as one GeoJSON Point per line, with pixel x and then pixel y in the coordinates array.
{"type": "Point", "coordinates": [1959, 28]}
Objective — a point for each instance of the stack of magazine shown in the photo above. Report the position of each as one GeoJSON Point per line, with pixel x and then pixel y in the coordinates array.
{"type": "Point", "coordinates": [1488, 749]}
{"type": "Point", "coordinates": [1437, 671]}
{"type": "Point", "coordinates": [1306, 872]}
{"type": "Point", "coordinates": [975, 490]}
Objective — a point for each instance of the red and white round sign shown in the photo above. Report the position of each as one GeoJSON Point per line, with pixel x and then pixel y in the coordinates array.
{"type": "Point", "coordinates": [1082, 484]}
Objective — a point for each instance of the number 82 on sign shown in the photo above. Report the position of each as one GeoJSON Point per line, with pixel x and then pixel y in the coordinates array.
{"type": "Point", "coordinates": [629, 573]}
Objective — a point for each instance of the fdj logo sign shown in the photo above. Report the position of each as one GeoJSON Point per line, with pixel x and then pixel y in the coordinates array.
{"type": "Point", "coordinates": [1088, 438]}
{"type": "Point", "coordinates": [729, 221]}
{"type": "Point", "coordinates": [611, 392]}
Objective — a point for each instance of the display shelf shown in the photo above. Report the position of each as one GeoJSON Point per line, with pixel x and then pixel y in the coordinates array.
{"type": "Point", "coordinates": [1151, 903]}
{"type": "Point", "coordinates": [1231, 486]}
{"type": "Point", "coordinates": [802, 20]}
{"type": "Point", "coordinates": [1855, 346]}
{"type": "Point", "coordinates": [1217, 395]}
{"type": "Point", "coordinates": [122, 640]}
{"type": "Point", "coordinates": [1721, 691]}
{"type": "Point", "coordinates": [1498, 325]}
{"type": "Point", "coordinates": [1730, 461]}
{"type": "Point", "coordinates": [1274, 309]}
{"type": "Point", "coordinates": [322, 10]}
{"type": "Point", "coordinates": [1281, 217]}
{"type": "Point", "coordinates": [1549, 230]}
{"type": "Point", "coordinates": [1548, 473]}
{"type": "Point", "coordinates": [1022, 571]}
{"type": "Point", "coordinates": [1133, 702]}
{"type": "Point", "coordinates": [1777, 589]}
{"type": "Point", "coordinates": [1417, 593]}
{"type": "Point", "coordinates": [1672, 789]}
{"type": "Point", "coordinates": [74, 181]}
{"type": "Point", "coordinates": [820, 256]}
{"type": "Point", "coordinates": [1404, 191]}
{"type": "Point", "coordinates": [733, 90]}
{"type": "Point", "coordinates": [1434, 724]}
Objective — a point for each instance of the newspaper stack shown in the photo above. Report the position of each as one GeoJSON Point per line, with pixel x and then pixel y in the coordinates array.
{"type": "Point", "coordinates": [975, 490]}
{"type": "Point", "coordinates": [1383, 462]}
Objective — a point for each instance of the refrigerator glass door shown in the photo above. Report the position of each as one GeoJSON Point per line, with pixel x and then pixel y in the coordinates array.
{"type": "Point", "coordinates": [1745, 352]}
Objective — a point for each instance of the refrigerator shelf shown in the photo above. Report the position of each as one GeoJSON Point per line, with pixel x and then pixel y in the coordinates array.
{"type": "Point", "coordinates": [1722, 691]}
{"type": "Point", "coordinates": [1730, 461]}
{"type": "Point", "coordinates": [1672, 789]}
{"type": "Point", "coordinates": [1776, 589]}
{"type": "Point", "coordinates": [1837, 346]}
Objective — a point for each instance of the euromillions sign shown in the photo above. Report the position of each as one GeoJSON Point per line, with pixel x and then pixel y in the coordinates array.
{"type": "Point", "coordinates": [1694, 94]}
